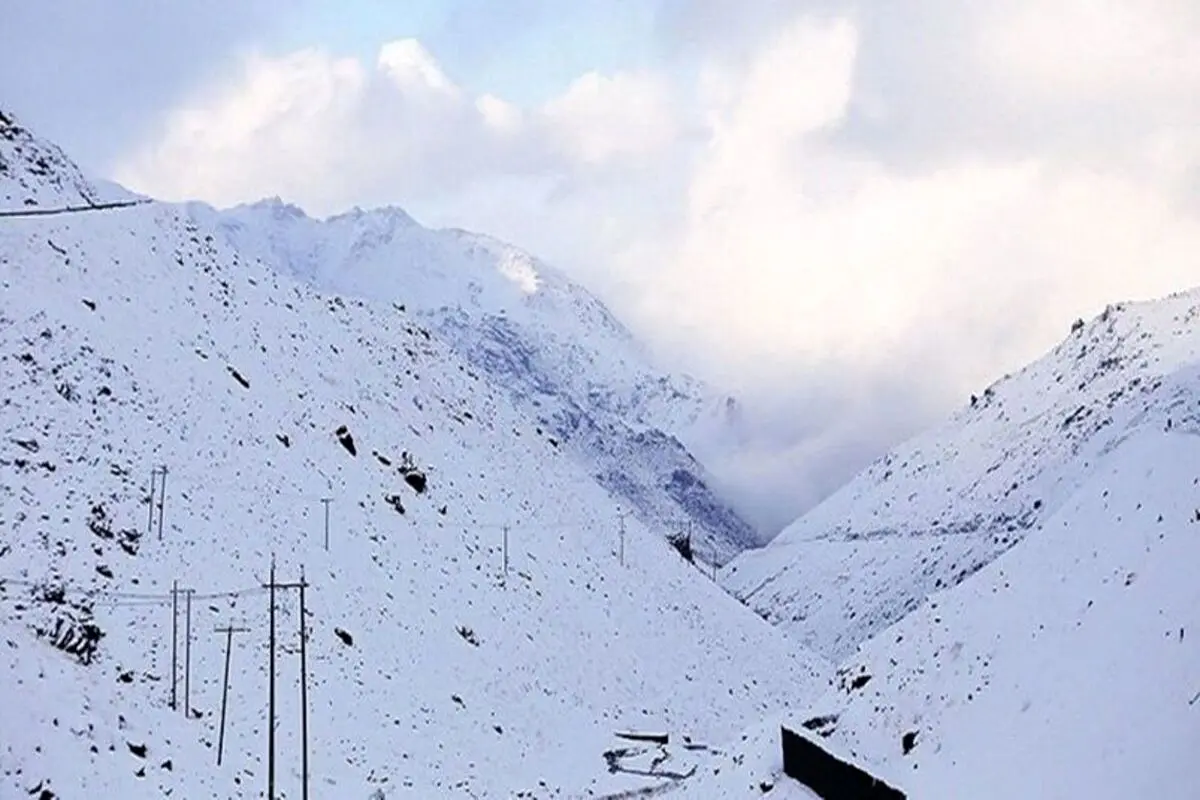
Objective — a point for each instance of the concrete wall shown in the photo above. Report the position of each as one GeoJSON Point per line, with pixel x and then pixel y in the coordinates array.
{"type": "Point", "coordinates": [829, 776]}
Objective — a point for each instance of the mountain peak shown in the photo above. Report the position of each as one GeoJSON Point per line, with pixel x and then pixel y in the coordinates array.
{"type": "Point", "coordinates": [564, 357]}
{"type": "Point", "coordinates": [35, 173]}
{"type": "Point", "coordinates": [277, 207]}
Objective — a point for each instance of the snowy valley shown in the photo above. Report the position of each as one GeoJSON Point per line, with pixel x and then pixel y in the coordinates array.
{"type": "Point", "coordinates": [1004, 606]}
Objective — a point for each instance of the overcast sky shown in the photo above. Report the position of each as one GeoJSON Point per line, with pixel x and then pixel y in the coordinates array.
{"type": "Point", "coordinates": [853, 214]}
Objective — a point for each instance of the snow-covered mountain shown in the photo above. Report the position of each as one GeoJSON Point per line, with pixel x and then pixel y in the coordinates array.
{"type": "Point", "coordinates": [939, 507]}
{"type": "Point", "coordinates": [564, 358]}
{"type": "Point", "coordinates": [482, 622]}
{"type": "Point", "coordinates": [1067, 668]}
{"type": "Point", "coordinates": [1012, 596]}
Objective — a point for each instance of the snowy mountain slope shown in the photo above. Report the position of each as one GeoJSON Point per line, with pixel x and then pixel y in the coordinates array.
{"type": "Point", "coordinates": [565, 359]}
{"type": "Point", "coordinates": [136, 337]}
{"type": "Point", "coordinates": [941, 506]}
{"type": "Point", "coordinates": [1070, 666]}
{"type": "Point", "coordinates": [35, 173]}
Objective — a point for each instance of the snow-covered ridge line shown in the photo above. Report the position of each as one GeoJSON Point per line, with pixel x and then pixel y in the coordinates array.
{"type": "Point", "coordinates": [938, 508]}
{"type": "Point", "coordinates": [560, 353]}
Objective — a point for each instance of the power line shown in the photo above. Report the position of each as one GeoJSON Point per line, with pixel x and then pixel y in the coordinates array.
{"type": "Point", "coordinates": [46, 212]}
{"type": "Point", "coordinates": [149, 599]}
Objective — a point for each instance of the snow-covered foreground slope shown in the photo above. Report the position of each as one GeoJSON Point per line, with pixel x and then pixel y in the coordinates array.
{"type": "Point", "coordinates": [134, 338]}
{"type": "Point", "coordinates": [564, 358]}
{"type": "Point", "coordinates": [938, 508]}
{"type": "Point", "coordinates": [1070, 666]}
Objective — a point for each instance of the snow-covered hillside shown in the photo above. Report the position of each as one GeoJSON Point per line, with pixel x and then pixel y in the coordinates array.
{"type": "Point", "coordinates": [564, 358]}
{"type": "Point", "coordinates": [1070, 666]}
{"type": "Point", "coordinates": [478, 627]}
{"type": "Point", "coordinates": [1039, 554]}
{"type": "Point", "coordinates": [938, 508]}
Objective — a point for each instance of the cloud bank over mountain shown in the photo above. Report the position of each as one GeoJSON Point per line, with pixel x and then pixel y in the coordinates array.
{"type": "Point", "coordinates": [850, 215]}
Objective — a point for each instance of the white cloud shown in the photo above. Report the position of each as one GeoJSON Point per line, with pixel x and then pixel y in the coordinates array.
{"type": "Point", "coordinates": [93, 75]}
{"type": "Point", "coordinates": [361, 132]}
{"type": "Point", "coordinates": [601, 117]}
{"type": "Point", "coordinates": [500, 116]}
{"type": "Point", "coordinates": [898, 288]}
{"type": "Point", "coordinates": [233, 142]}
{"type": "Point", "coordinates": [1093, 51]}
{"type": "Point", "coordinates": [413, 69]}
{"type": "Point", "coordinates": [854, 225]}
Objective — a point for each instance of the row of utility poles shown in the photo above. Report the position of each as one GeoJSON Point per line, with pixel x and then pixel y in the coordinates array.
{"type": "Point", "coordinates": [272, 586]}
{"type": "Point", "coordinates": [157, 492]}
{"type": "Point", "coordinates": [156, 504]}
{"type": "Point", "coordinates": [158, 487]}
{"type": "Point", "coordinates": [621, 546]}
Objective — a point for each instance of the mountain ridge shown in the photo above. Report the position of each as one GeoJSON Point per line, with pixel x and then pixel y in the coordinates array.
{"type": "Point", "coordinates": [564, 357]}
{"type": "Point", "coordinates": [939, 507]}
{"type": "Point", "coordinates": [477, 579]}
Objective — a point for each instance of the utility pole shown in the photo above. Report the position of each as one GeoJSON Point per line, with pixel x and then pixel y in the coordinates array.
{"type": "Point", "coordinates": [621, 554]}
{"type": "Point", "coordinates": [303, 690]}
{"type": "Point", "coordinates": [327, 501]}
{"type": "Point", "coordinates": [271, 696]}
{"type": "Point", "coordinates": [272, 586]}
{"type": "Point", "coordinates": [187, 654]}
{"type": "Point", "coordinates": [162, 497]}
{"type": "Point", "coordinates": [153, 481]}
{"type": "Point", "coordinates": [229, 631]}
{"type": "Point", "coordinates": [174, 640]}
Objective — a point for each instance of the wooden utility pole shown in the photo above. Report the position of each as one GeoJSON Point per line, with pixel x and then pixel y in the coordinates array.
{"type": "Point", "coordinates": [153, 481]}
{"type": "Point", "coordinates": [621, 555]}
{"type": "Point", "coordinates": [187, 653]}
{"type": "Point", "coordinates": [327, 501]}
{"type": "Point", "coordinates": [229, 631]}
{"type": "Point", "coordinates": [174, 641]}
{"type": "Point", "coordinates": [271, 696]}
{"type": "Point", "coordinates": [162, 497]}
{"type": "Point", "coordinates": [272, 586]}
{"type": "Point", "coordinates": [505, 555]}
{"type": "Point", "coordinates": [303, 690]}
